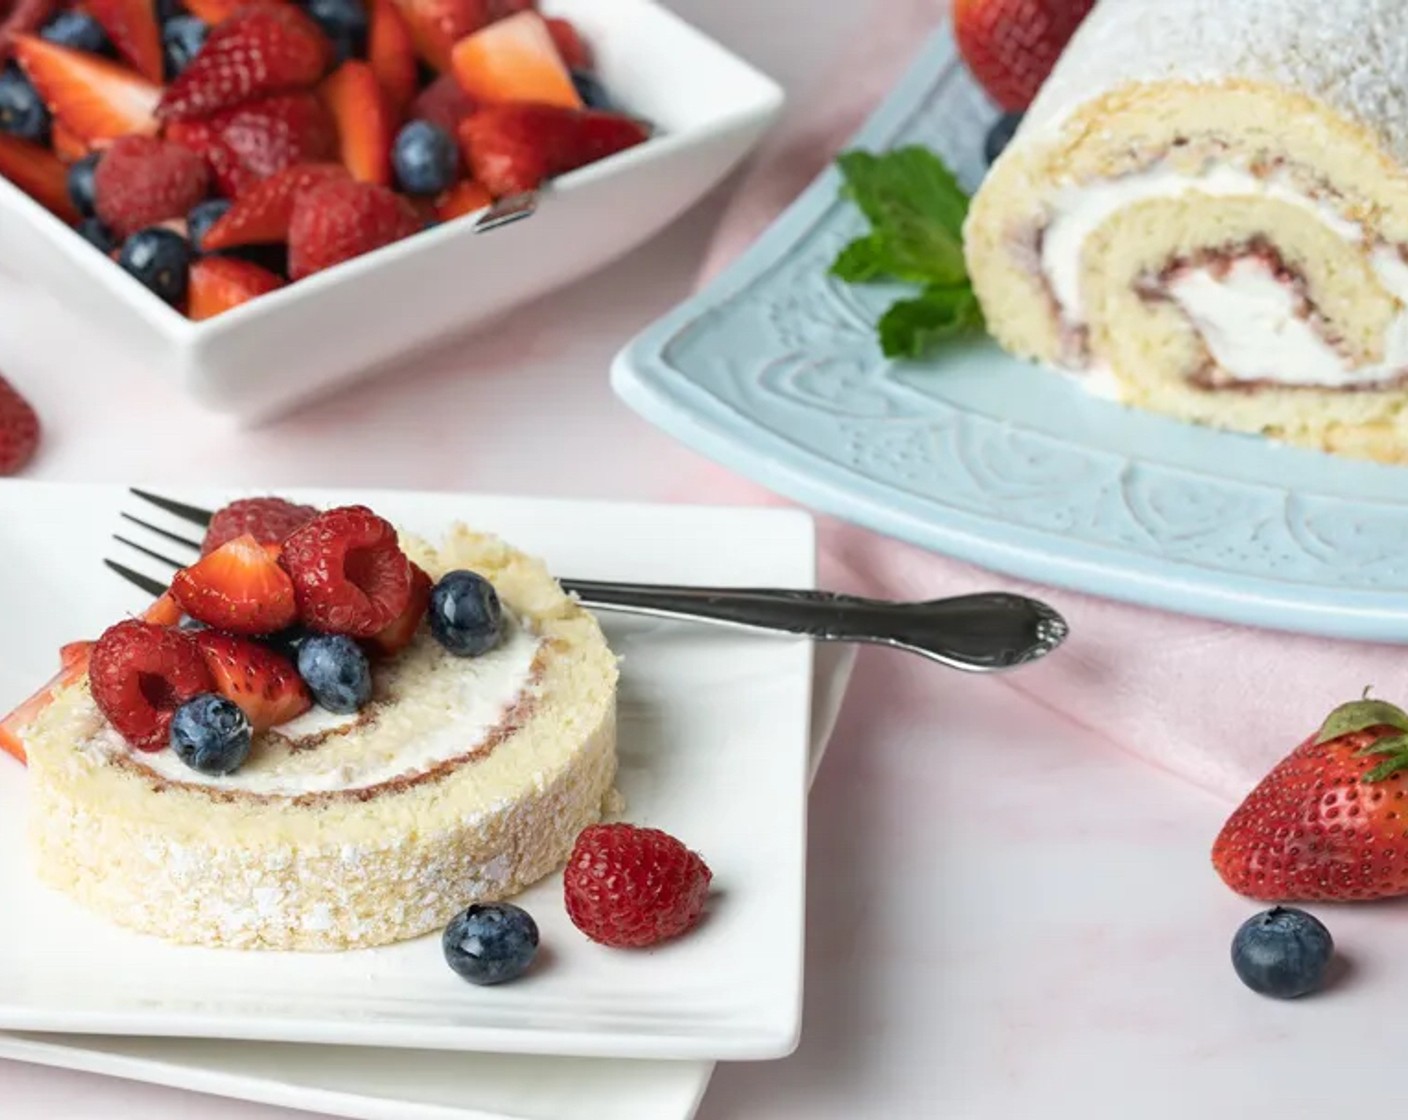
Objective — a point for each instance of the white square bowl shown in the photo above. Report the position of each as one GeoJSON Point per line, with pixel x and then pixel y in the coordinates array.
{"type": "Point", "coordinates": [258, 360]}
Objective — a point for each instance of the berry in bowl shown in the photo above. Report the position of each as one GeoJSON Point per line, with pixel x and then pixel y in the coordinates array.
{"type": "Point", "coordinates": [263, 199]}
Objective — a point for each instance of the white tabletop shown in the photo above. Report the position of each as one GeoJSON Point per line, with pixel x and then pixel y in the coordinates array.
{"type": "Point", "coordinates": [996, 897]}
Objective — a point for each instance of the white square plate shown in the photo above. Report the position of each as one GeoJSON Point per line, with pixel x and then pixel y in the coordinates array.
{"type": "Point", "coordinates": [713, 748]}
{"type": "Point", "coordinates": [374, 1084]}
{"type": "Point", "coordinates": [708, 107]}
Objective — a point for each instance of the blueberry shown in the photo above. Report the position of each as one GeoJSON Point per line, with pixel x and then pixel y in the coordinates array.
{"type": "Point", "coordinates": [203, 215]}
{"type": "Point", "coordinates": [98, 235]}
{"type": "Point", "coordinates": [491, 944]}
{"type": "Point", "coordinates": [81, 188]}
{"type": "Point", "coordinates": [425, 158]}
{"type": "Point", "coordinates": [465, 615]}
{"type": "Point", "coordinates": [22, 111]}
{"type": "Point", "coordinates": [182, 38]}
{"type": "Point", "coordinates": [167, 10]}
{"type": "Point", "coordinates": [79, 31]}
{"type": "Point", "coordinates": [1282, 952]}
{"type": "Point", "coordinates": [211, 734]}
{"type": "Point", "coordinates": [191, 625]}
{"type": "Point", "coordinates": [591, 91]}
{"type": "Point", "coordinates": [344, 22]}
{"type": "Point", "coordinates": [1000, 135]}
{"type": "Point", "coordinates": [336, 672]}
{"type": "Point", "coordinates": [161, 260]}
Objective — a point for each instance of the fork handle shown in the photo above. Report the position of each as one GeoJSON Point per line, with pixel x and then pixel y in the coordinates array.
{"type": "Point", "coordinates": [980, 633]}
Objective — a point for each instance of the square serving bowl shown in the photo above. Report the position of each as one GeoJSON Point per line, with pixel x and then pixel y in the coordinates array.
{"type": "Point", "coordinates": [709, 108]}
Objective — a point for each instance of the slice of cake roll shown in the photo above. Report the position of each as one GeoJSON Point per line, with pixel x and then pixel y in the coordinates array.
{"type": "Point", "coordinates": [1206, 214]}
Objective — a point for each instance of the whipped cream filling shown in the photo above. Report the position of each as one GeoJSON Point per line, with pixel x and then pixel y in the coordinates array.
{"type": "Point", "coordinates": [436, 707]}
{"type": "Point", "coordinates": [1247, 317]}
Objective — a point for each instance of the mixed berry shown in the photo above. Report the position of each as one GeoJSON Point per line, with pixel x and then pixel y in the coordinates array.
{"type": "Point", "coordinates": [287, 608]}
{"type": "Point", "coordinates": [220, 149]}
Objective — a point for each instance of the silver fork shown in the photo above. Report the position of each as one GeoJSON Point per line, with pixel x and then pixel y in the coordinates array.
{"type": "Point", "coordinates": [979, 633]}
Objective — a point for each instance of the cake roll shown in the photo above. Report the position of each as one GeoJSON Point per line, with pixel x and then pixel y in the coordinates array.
{"type": "Point", "coordinates": [1205, 214]}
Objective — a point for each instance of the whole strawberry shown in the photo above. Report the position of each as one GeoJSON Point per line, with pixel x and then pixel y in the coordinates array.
{"type": "Point", "coordinates": [141, 181]}
{"type": "Point", "coordinates": [630, 887]}
{"type": "Point", "coordinates": [341, 219]}
{"type": "Point", "coordinates": [19, 430]}
{"type": "Point", "coordinates": [267, 520]}
{"type": "Point", "coordinates": [1011, 46]}
{"type": "Point", "coordinates": [1329, 822]}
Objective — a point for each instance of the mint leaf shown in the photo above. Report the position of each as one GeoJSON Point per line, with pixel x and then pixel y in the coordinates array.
{"type": "Point", "coordinates": [916, 210]}
{"type": "Point", "coordinates": [863, 260]}
{"type": "Point", "coordinates": [912, 327]}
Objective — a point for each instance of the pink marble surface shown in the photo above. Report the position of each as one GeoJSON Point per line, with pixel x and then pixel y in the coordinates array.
{"type": "Point", "coordinates": [1009, 916]}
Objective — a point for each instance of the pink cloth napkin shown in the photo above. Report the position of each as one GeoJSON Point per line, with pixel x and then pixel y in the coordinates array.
{"type": "Point", "coordinates": [1216, 704]}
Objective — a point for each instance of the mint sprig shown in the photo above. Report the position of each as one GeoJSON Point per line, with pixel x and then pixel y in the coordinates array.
{"type": "Point", "coordinates": [916, 210]}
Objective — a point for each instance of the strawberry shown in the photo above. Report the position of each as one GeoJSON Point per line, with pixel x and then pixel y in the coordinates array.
{"type": "Point", "coordinates": [214, 12]}
{"type": "Point", "coordinates": [465, 197]}
{"type": "Point", "coordinates": [19, 430]}
{"type": "Point", "coordinates": [575, 53]}
{"type": "Point", "coordinates": [366, 123]}
{"type": "Point", "coordinates": [249, 143]}
{"type": "Point", "coordinates": [502, 9]}
{"type": "Point", "coordinates": [132, 26]}
{"type": "Point", "coordinates": [1011, 46]}
{"type": "Point", "coordinates": [75, 655]}
{"type": "Point", "coordinates": [443, 103]}
{"type": "Point", "coordinates": [348, 568]}
{"type": "Point", "coordinates": [437, 25]}
{"type": "Point", "coordinates": [514, 60]}
{"type": "Point", "coordinates": [260, 216]}
{"type": "Point", "coordinates": [239, 587]}
{"type": "Point", "coordinates": [220, 283]}
{"type": "Point", "coordinates": [397, 635]}
{"type": "Point", "coordinates": [392, 53]}
{"type": "Point", "coordinates": [265, 48]}
{"type": "Point", "coordinates": [336, 221]}
{"type": "Point", "coordinates": [140, 674]}
{"type": "Point", "coordinates": [39, 173]}
{"type": "Point", "coordinates": [514, 148]}
{"type": "Point", "coordinates": [268, 520]}
{"type": "Point", "coordinates": [67, 146]}
{"type": "Point", "coordinates": [91, 97]}
{"type": "Point", "coordinates": [25, 17]}
{"type": "Point", "coordinates": [1327, 822]}
{"type": "Point", "coordinates": [264, 684]}
{"type": "Point", "coordinates": [14, 725]}
{"type": "Point", "coordinates": [630, 887]}
{"type": "Point", "coordinates": [164, 611]}
{"type": "Point", "coordinates": [141, 181]}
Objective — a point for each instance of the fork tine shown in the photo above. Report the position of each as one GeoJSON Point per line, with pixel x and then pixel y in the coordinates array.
{"type": "Point", "coordinates": [157, 529]}
{"type": "Point", "coordinates": [145, 551]}
{"type": "Point", "coordinates": [146, 583]}
{"type": "Point", "coordinates": [194, 514]}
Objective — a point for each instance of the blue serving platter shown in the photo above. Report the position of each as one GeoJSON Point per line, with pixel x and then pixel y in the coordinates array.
{"type": "Point", "coordinates": [774, 371]}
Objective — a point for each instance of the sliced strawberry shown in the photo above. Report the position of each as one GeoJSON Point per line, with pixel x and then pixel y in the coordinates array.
{"type": "Point", "coordinates": [214, 12]}
{"type": "Point", "coordinates": [132, 26]}
{"type": "Point", "coordinates": [516, 147]}
{"type": "Point", "coordinates": [14, 726]}
{"type": "Point", "coordinates": [392, 53]}
{"type": "Point", "coordinates": [261, 215]}
{"type": "Point", "coordinates": [465, 197]}
{"type": "Point", "coordinates": [75, 655]}
{"type": "Point", "coordinates": [502, 9]}
{"type": "Point", "coordinates": [39, 173]}
{"type": "Point", "coordinates": [93, 98]}
{"type": "Point", "coordinates": [67, 146]}
{"type": "Point", "coordinates": [437, 25]}
{"type": "Point", "coordinates": [249, 143]}
{"type": "Point", "coordinates": [264, 684]}
{"type": "Point", "coordinates": [514, 60]}
{"type": "Point", "coordinates": [443, 103]}
{"type": "Point", "coordinates": [25, 17]}
{"type": "Point", "coordinates": [140, 674]}
{"type": "Point", "coordinates": [220, 283]}
{"type": "Point", "coordinates": [142, 181]}
{"type": "Point", "coordinates": [571, 47]}
{"type": "Point", "coordinates": [164, 611]}
{"type": "Point", "coordinates": [400, 633]}
{"type": "Point", "coordinates": [366, 123]}
{"type": "Point", "coordinates": [336, 221]}
{"type": "Point", "coordinates": [239, 587]}
{"type": "Point", "coordinates": [265, 48]}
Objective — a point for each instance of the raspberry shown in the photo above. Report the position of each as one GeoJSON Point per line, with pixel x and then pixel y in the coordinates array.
{"type": "Point", "coordinates": [349, 573]}
{"type": "Point", "coordinates": [19, 430]}
{"type": "Point", "coordinates": [267, 520]}
{"type": "Point", "coordinates": [631, 887]}
{"type": "Point", "coordinates": [140, 674]}
{"type": "Point", "coordinates": [142, 181]}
